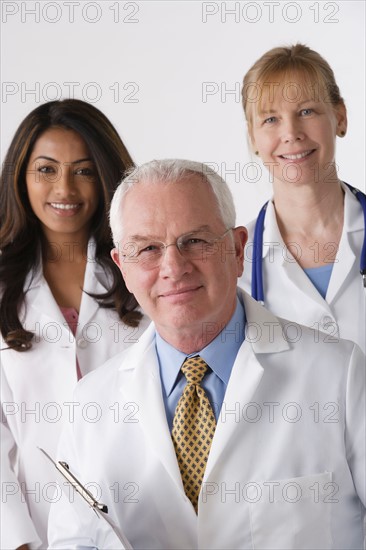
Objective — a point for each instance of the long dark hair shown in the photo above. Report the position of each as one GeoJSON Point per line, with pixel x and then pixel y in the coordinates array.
{"type": "Point", "coordinates": [20, 230]}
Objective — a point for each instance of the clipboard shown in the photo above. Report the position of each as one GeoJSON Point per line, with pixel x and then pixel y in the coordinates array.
{"type": "Point", "coordinates": [99, 508]}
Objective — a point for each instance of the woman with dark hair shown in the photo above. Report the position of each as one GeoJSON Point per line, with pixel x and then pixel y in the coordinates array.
{"type": "Point", "coordinates": [64, 308]}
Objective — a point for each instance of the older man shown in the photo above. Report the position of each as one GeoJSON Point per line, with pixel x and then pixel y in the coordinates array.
{"type": "Point", "coordinates": [224, 427]}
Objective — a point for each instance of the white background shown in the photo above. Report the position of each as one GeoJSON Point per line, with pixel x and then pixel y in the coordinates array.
{"type": "Point", "coordinates": [163, 72]}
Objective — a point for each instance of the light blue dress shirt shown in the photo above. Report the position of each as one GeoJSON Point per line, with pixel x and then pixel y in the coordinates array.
{"type": "Point", "coordinates": [220, 355]}
{"type": "Point", "coordinates": [320, 277]}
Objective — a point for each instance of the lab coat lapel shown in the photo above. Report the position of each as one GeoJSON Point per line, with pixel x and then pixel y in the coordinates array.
{"type": "Point", "coordinates": [346, 257]}
{"type": "Point", "coordinates": [263, 335]}
{"type": "Point", "coordinates": [342, 266]}
{"type": "Point", "coordinates": [245, 377]}
{"type": "Point", "coordinates": [143, 387]}
{"type": "Point", "coordinates": [296, 276]}
{"type": "Point", "coordinates": [41, 300]}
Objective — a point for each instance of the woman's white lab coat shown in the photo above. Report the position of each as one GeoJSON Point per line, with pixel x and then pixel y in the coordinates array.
{"type": "Point", "coordinates": [36, 394]}
{"type": "Point", "coordinates": [289, 293]}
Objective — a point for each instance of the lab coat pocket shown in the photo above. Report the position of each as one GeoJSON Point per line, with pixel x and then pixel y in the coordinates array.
{"type": "Point", "coordinates": [291, 514]}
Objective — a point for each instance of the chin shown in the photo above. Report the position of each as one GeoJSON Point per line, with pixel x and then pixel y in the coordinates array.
{"type": "Point", "coordinates": [182, 319]}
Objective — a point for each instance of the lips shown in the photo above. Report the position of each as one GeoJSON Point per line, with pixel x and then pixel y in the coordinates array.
{"type": "Point", "coordinates": [297, 156]}
{"type": "Point", "coordinates": [179, 292]}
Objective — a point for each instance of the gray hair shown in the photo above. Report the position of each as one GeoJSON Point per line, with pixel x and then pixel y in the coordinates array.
{"type": "Point", "coordinates": [171, 171]}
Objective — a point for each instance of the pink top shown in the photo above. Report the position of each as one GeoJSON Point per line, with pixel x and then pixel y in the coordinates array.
{"type": "Point", "coordinates": [72, 318]}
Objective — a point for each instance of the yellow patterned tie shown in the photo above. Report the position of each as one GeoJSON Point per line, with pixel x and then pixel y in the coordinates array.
{"type": "Point", "coordinates": [193, 428]}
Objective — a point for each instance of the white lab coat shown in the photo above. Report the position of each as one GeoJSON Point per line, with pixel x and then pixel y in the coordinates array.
{"type": "Point", "coordinates": [287, 465]}
{"type": "Point", "coordinates": [289, 293]}
{"type": "Point", "coordinates": [36, 391]}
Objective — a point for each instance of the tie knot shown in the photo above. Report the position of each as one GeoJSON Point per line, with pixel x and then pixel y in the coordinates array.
{"type": "Point", "coordinates": [194, 369]}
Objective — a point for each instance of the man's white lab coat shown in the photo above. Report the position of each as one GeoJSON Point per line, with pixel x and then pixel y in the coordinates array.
{"type": "Point", "coordinates": [287, 465]}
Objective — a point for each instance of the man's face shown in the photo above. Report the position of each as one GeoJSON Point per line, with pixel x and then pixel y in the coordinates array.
{"type": "Point", "coordinates": [181, 295]}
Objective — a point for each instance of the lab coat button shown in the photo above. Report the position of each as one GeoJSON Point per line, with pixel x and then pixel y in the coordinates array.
{"type": "Point", "coordinates": [81, 343]}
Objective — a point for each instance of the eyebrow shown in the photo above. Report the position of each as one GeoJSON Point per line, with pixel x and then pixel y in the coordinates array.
{"type": "Point", "coordinates": [155, 238]}
{"type": "Point", "coordinates": [307, 101]}
{"type": "Point", "coordinates": [298, 106]}
{"type": "Point", "coordinates": [58, 162]}
{"type": "Point", "coordinates": [266, 112]}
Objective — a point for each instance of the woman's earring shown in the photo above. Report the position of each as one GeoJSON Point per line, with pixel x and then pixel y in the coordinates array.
{"type": "Point", "coordinates": [342, 133]}
{"type": "Point", "coordinates": [256, 152]}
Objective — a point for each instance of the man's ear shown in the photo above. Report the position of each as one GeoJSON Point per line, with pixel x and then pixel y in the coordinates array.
{"type": "Point", "coordinates": [241, 237]}
{"type": "Point", "coordinates": [117, 260]}
{"type": "Point", "coordinates": [115, 257]}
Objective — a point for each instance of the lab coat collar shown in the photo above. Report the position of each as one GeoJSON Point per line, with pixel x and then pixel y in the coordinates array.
{"type": "Point", "coordinates": [353, 215]}
{"type": "Point", "coordinates": [40, 297]}
{"type": "Point", "coordinates": [346, 256]}
{"type": "Point", "coordinates": [272, 238]}
{"type": "Point", "coordinates": [34, 278]}
{"type": "Point", "coordinates": [263, 329]}
{"type": "Point", "coordinates": [353, 221]}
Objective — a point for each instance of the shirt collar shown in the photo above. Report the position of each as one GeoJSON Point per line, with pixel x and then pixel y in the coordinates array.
{"type": "Point", "coordinates": [219, 354]}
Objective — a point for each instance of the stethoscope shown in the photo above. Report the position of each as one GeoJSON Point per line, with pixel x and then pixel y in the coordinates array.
{"type": "Point", "coordinates": [257, 271]}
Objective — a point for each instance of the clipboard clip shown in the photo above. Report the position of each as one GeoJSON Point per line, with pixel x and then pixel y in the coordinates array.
{"type": "Point", "coordinates": [64, 469]}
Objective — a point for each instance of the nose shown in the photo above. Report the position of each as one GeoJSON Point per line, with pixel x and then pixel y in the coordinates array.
{"type": "Point", "coordinates": [64, 182]}
{"type": "Point", "coordinates": [291, 131]}
{"type": "Point", "coordinates": [173, 265]}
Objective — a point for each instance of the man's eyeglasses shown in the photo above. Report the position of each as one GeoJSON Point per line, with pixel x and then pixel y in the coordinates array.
{"type": "Point", "coordinates": [198, 245]}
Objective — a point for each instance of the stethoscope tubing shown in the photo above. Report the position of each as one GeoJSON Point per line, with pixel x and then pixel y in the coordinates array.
{"type": "Point", "coordinates": [257, 268]}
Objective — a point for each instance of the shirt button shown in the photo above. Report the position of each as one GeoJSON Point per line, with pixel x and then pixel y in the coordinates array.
{"type": "Point", "coordinates": [81, 343]}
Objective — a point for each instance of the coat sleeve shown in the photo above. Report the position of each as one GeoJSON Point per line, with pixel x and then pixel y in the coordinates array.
{"type": "Point", "coordinates": [356, 421]}
{"type": "Point", "coordinates": [17, 527]}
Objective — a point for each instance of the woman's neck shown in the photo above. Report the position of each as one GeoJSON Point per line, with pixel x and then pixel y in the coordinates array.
{"type": "Point", "coordinates": [310, 220]}
{"type": "Point", "coordinates": [64, 266]}
{"type": "Point", "coordinates": [309, 210]}
{"type": "Point", "coordinates": [65, 249]}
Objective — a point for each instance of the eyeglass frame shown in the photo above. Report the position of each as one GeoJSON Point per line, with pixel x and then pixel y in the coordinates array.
{"type": "Point", "coordinates": [178, 243]}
